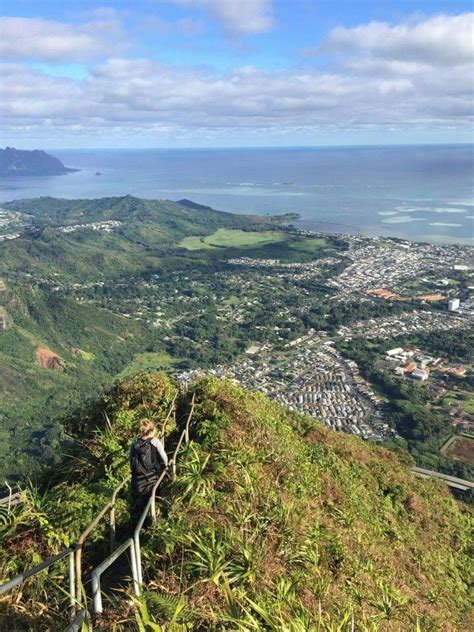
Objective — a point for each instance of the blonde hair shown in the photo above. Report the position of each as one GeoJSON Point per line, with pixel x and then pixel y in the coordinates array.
{"type": "Point", "coordinates": [147, 428]}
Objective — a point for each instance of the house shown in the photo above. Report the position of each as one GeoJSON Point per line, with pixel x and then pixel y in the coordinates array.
{"type": "Point", "coordinates": [421, 374]}
{"type": "Point", "coordinates": [394, 352]}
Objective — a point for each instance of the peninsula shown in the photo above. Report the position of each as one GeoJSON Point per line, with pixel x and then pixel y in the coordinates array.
{"type": "Point", "coordinates": [17, 162]}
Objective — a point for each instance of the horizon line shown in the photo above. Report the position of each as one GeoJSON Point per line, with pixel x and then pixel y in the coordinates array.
{"type": "Point", "coordinates": [256, 147]}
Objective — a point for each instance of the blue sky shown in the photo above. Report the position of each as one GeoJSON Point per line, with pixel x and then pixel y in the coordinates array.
{"type": "Point", "coordinates": [174, 73]}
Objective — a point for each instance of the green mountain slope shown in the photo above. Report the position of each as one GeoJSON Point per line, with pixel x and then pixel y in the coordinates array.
{"type": "Point", "coordinates": [93, 345]}
{"type": "Point", "coordinates": [148, 232]}
{"type": "Point", "coordinates": [54, 354]}
{"type": "Point", "coordinates": [273, 523]}
{"type": "Point", "coordinates": [18, 162]}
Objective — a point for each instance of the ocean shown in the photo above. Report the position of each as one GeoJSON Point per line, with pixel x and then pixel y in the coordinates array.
{"type": "Point", "coordinates": [422, 193]}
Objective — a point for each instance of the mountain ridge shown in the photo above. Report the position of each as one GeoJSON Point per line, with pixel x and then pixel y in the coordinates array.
{"type": "Point", "coordinates": [273, 522]}
{"type": "Point", "coordinates": [22, 162]}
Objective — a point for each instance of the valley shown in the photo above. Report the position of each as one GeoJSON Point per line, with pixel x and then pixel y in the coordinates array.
{"type": "Point", "coordinates": [99, 289]}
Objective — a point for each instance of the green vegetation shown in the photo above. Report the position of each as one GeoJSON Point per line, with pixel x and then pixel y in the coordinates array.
{"type": "Point", "coordinates": [147, 238]}
{"type": "Point", "coordinates": [101, 300]}
{"type": "Point", "coordinates": [93, 345]}
{"type": "Point", "coordinates": [464, 401]}
{"type": "Point", "coordinates": [225, 238]}
{"type": "Point", "coordinates": [149, 362]}
{"type": "Point", "coordinates": [272, 523]}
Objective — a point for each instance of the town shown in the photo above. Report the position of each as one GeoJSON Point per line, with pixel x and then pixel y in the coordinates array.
{"type": "Point", "coordinates": [311, 377]}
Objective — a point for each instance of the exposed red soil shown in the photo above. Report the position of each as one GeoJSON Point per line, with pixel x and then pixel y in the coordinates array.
{"type": "Point", "coordinates": [48, 359]}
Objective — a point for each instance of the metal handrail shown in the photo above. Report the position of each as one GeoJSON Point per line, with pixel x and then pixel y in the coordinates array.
{"type": "Point", "coordinates": [170, 412]}
{"type": "Point", "coordinates": [19, 579]}
{"type": "Point", "coordinates": [110, 506]}
{"type": "Point", "coordinates": [74, 554]}
{"type": "Point", "coordinates": [76, 623]}
{"type": "Point", "coordinates": [104, 565]}
{"type": "Point", "coordinates": [12, 500]}
{"type": "Point", "coordinates": [112, 534]}
{"type": "Point", "coordinates": [151, 504]}
{"type": "Point", "coordinates": [139, 525]}
{"type": "Point", "coordinates": [134, 543]}
{"type": "Point", "coordinates": [184, 434]}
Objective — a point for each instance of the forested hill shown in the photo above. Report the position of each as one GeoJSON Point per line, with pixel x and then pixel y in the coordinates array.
{"type": "Point", "coordinates": [273, 522]}
{"type": "Point", "coordinates": [82, 240]}
{"type": "Point", "coordinates": [18, 162]}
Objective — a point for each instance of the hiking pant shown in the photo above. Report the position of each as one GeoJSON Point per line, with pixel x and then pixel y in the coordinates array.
{"type": "Point", "coordinates": [142, 488]}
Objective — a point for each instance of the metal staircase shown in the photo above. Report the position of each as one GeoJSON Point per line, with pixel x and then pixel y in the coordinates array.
{"type": "Point", "coordinates": [77, 598]}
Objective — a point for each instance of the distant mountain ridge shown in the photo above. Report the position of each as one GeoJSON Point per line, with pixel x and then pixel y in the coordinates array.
{"type": "Point", "coordinates": [19, 162]}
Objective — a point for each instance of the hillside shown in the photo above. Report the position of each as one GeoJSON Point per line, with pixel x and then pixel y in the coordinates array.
{"type": "Point", "coordinates": [94, 288]}
{"type": "Point", "coordinates": [54, 355]}
{"type": "Point", "coordinates": [56, 352]}
{"type": "Point", "coordinates": [18, 162]}
{"type": "Point", "coordinates": [272, 523]}
{"type": "Point", "coordinates": [90, 240]}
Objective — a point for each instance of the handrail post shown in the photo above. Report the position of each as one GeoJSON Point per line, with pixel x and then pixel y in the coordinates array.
{"type": "Point", "coordinates": [72, 585]}
{"type": "Point", "coordinates": [10, 493]}
{"type": "Point", "coordinates": [133, 564]}
{"type": "Point", "coordinates": [96, 594]}
{"type": "Point", "coordinates": [112, 538]}
{"type": "Point", "coordinates": [78, 556]}
{"type": "Point", "coordinates": [104, 565]}
{"type": "Point", "coordinates": [112, 525]}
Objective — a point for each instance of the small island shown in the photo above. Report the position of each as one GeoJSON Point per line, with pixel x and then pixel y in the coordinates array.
{"type": "Point", "coordinates": [18, 162]}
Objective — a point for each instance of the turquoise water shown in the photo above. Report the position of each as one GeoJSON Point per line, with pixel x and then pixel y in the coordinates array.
{"type": "Point", "coordinates": [413, 192]}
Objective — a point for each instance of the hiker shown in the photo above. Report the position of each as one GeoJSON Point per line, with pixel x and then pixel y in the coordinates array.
{"type": "Point", "coordinates": [147, 457]}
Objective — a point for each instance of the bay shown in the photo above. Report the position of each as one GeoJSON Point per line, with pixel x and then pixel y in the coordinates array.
{"type": "Point", "coordinates": [413, 192]}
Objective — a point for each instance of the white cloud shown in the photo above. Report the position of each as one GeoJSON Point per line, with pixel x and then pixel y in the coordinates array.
{"type": "Point", "coordinates": [244, 17]}
{"type": "Point", "coordinates": [440, 40]}
{"type": "Point", "coordinates": [365, 89]}
{"type": "Point", "coordinates": [142, 93]}
{"type": "Point", "coordinates": [49, 40]}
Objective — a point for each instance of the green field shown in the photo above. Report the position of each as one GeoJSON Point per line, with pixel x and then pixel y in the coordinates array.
{"type": "Point", "coordinates": [148, 362]}
{"type": "Point", "coordinates": [230, 238]}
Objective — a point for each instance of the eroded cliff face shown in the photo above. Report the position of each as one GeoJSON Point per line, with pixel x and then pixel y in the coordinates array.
{"type": "Point", "coordinates": [48, 359]}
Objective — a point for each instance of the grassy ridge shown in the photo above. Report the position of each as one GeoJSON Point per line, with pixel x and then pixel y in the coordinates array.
{"type": "Point", "coordinates": [273, 523]}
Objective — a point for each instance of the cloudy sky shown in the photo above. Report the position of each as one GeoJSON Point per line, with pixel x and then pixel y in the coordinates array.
{"type": "Point", "coordinates": [182, 73]}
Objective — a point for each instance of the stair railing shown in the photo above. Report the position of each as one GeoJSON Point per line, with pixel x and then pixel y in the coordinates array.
{"type": "Point", "coordinates": [104, 565]}
{"type": "Point", "coordinates": [74, 554]}
{"type": "Point", "coordinates": [20, 579]}
{"type": "Point", "coordinates": [172, 411]}
{"type": "Point", "coordinates": [85, 534]}
{"type": "Point", "coordinates": [134, 543]}
{"type": "Point", "coordinates": [151, 504]}
{"type": "Point", "coordinates": [12, 499]}
{"type": "Point", "coordinates": [109, 507]}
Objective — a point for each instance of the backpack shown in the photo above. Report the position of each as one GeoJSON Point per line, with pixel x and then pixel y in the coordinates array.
{"type": "Point", "coordinates": [143, 458]}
